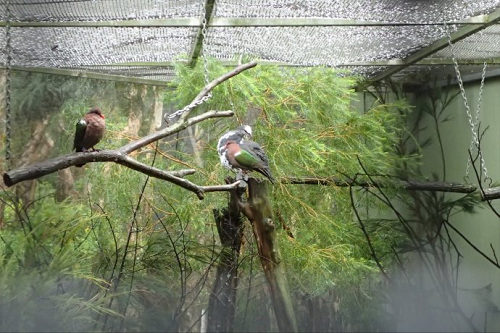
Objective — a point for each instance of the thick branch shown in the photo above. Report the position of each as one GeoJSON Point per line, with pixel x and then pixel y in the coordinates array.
{"type": "Point", "coordinates": [49, 166]}
{"type": "Point", "coordinates": [259, 211]}
{"type": "Point", "coordinates": [43, 168]}
{"type": "Point", "coordinates": [490, 193]}
{"type": "Point", "coordinates": [409, 185]}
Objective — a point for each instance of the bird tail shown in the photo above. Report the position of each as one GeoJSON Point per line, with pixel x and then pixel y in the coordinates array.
{"type": "Point", "coordinates": [78, 149]}
{"type": "Point", "coordinates": [267, 173]}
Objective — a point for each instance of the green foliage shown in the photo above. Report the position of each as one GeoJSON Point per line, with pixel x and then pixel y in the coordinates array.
{"type": "Point", "coordinates": [79, 264]}
{"type": "Point", "coordinates": [135, 252]}
{"type": "Point", "coordinates": [41, 262]}
{"type": "Point", "coordinates": [305, 121]}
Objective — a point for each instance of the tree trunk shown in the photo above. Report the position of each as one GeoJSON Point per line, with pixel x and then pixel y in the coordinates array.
{"type": "Point", "coordinates": [157, 121]}
{"type": "Point", "coordinates": [64, 186]}
{"type": "Point", "coordinates": [222, 302]}
{"type": "Point", "coordinates": [194, 139]}
{"type": "Point", "coordinates": [135, 110]}
{"type": "Point", "coordinates": [259, 212]}
{"type": "Point", "coordinates": [37, 149]}
{"type": "Point", "coordinates": [3, 134]}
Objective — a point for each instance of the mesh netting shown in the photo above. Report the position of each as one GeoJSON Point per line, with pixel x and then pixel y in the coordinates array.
{"type": "Point", "coordinates": [72, 46]}
{"type": "Point", "coordinates": [58, 34]}
{"type": "Point", "coordinates": [310, 46]}
{"type": "Point", "coordinates": [99, 10]}
{"type": "Point", "coordinates": [397, 11]}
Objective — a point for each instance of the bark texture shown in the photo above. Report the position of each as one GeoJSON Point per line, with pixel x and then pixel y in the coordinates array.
{"type": "Point", "coordinates": [258, 210]}
{"type": "Point", "coordinates": [222, 302]}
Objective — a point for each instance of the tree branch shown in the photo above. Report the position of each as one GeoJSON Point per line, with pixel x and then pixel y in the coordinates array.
{"type": "Point", "coordinates": [208, 88]}
{"type": "Point", "coordinates": [172, 129]}
{"type": "Point", "coordinates": [120, 155]}
{"type": "Point", "coordinates": [409, 185]}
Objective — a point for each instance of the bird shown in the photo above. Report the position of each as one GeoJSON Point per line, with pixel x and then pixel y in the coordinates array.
{"type": "Point", "coordinates": [240, 134]}
{"type": "Point", "coordinates": [247, 156]}
{"type": "Point", "coordinates": [89, 131]}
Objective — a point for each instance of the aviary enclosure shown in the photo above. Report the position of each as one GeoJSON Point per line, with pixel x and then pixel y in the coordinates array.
{"type": "Point", "coordinates": [362, 194]}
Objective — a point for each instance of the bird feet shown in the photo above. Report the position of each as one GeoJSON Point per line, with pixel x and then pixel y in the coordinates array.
{"type": "Point", "coordinates": [243, 177]}
{"type": "Point", "coordinates": [240, 175]}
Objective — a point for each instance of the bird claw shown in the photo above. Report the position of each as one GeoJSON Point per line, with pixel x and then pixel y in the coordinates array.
{"type": "Point", "coordinates": [242, 176]}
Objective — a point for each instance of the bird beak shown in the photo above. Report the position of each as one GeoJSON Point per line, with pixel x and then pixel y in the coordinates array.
{"type": "Point", "coordinates": [103, 116]}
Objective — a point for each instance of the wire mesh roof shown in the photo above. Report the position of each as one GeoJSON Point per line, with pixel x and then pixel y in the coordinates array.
{"type": "Point", "coordinates": [395, 11]}
{"type": "Point", "coordinates": [141, 39]}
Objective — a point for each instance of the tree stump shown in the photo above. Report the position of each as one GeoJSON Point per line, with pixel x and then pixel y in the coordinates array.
{"type": "Point", "coordinates": [222, 302]}
{"type": "Point", "coordinates": [259, 212]}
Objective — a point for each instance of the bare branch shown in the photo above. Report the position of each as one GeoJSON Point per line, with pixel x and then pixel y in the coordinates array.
{"type": "Point", "coordinates": [490, 193]}
{"type": "Point", "coordinates": [472, 245]}
{"type": "Point", "coordinates": [172, 129]}
{"type": "Point", "coordinates": [409, 185]}
{"type": "Point", "coordinates": [218, 81]}
{"type": "Point", "coordinates": [43, 168]}
{"type": "Point", "coordinates": [120, 155]}
{"type": "Point", "coordinates": [46, 167]}
{"type": "Point", "coordinates": [220, 188]}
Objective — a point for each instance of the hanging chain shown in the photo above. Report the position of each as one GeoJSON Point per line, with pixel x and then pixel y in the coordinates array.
{"type": "Point", "coordinates": [188, 107]}
{"type": "Point", "coordinates": [205, 72]}
{"type": "Point", "coordinates": [8, 129]}
{"type": "Point", "coordinates": [473, 124]}
{"type": "Point", "coordinates": [476, 120]}
{"type": "Point", "coordinates": [204, 45]}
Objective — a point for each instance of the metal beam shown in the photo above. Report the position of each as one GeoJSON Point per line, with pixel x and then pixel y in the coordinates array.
{"type": "Point", "coordinates": [209, 6]}
{"type": "Point", "coordinates": [155, 23]}
{"type": "Point", "coordinates": [385, 63]}
{"type": "Point", "coordinates": [90, 75]}
{"type": "Point", "coordinates": [424, 62]}
{"type": "Point", "coordinates": [237, 22]}
{"type": "Point", "coordinates": [439, 44]}
{"type": "Point", "coordinates": [143, 64]}
{"type": "Point", "coordinates": [324, 22]}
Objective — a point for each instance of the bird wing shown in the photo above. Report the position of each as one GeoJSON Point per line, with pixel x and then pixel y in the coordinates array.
{"type": "Point", "coordinates": [81, 127]}
{"type": "Point", "coordinates": [257, 151]}
{"type": "Point", "coordinates": [247, 159]}
{"type": "Point", "coordinates": [258, 159]}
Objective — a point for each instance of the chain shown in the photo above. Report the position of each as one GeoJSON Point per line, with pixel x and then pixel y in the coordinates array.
{"type": "Point", "coordinates": [205, 72]}
{"type": "Point", "coordinates": [8, 128]}
{"type": "Point", "coordinates": [473, 125]}
{"type": "Point", "coordinates": [189, 107]}
{"type": "Point", "coordinates": [476, 120]}
{"type": "Point", "coordinates": [205, 41]}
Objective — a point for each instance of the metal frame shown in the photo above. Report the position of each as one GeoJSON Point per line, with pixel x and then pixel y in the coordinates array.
{"type": "Point", "coordinates": [472, 25]}
{"type": "Point", "coordinates": [483, 22]}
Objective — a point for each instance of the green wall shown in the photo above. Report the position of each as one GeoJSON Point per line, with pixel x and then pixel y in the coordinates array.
{"type": "Point", "coordinates": [483, 227]}
{"type": "Point", "coordinates": [478, 302]}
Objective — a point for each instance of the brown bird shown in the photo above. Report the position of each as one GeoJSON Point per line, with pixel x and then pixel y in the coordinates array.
{"type": "Point", "coordinates": [89, 131]}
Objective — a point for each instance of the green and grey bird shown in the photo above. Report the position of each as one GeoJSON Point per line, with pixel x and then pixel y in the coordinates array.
{"type": "Point", "coordinates": [247, 156]}
{"type": "Point", "coordinates": [89, 131]}
{"type": "Point", "coordinates": [242, 133]}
